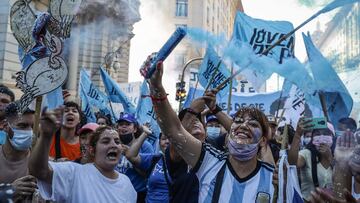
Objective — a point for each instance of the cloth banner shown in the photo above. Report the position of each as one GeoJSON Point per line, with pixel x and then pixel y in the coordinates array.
{"type": "Point", "coordinates": [86, 106]}
{"type": "Point", "coordinates": [293, 192]}
{"type": "Point", "coordinates": [339, 102]}
{"type": "Point", "coordinates": [213, 67]}
{"type": "Point", "coordinates": [265, 102]}
{"type": "Point", "coordinates": [115, 94]}
{"type": "Point", "coordinates": [145, 113]}
{"type": "Point", "coordinates": [261, 34]}
{"type": "Point", "coordinates": [97, 99]}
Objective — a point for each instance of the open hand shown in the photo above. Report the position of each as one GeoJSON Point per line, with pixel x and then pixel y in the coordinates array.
{"type": "Point", "coordinates": [323, 196]}
{"type": "Point", "coordinates": [345, 146]}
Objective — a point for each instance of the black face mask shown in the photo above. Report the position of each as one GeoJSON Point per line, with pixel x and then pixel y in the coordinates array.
{"type": "Point", "coordinates": [126, 138]}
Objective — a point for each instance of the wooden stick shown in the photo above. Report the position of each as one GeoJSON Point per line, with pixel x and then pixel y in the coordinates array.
{"type": "Point", "coordinates": [323, 104]}
{"type": "Point", "coordinates": [284, 137]}
{"type": "Point", "coordinates": [37, 118]}
{"type": "Point", "coordinates": [230, 92]}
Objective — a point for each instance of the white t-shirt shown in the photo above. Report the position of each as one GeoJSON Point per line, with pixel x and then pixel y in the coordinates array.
{"type": "Point", "coordinates": [257, 186]}
{"type": "Point", "coordinates": [73, 182]}
{"type": "Point", "coordinates": [307, 184]}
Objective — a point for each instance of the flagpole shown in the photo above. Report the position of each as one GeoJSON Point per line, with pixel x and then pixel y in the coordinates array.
{"type": "Point", "coordinates": [230, 91]}
{"type": "Point", "coordinates": [266, 51]}
{"type": "Point", "coordinates": [323, 104]}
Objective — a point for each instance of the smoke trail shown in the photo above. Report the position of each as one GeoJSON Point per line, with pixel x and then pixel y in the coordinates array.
{"type": "Point", "coordinates": [313, 3]}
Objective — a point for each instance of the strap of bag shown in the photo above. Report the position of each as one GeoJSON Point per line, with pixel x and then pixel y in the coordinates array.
{"type": "Point", "coordinates": [57, 145]}
{"type": "Point", "coordinates": [218, 184]}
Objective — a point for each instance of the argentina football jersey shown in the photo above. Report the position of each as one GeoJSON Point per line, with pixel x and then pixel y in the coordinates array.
{"type": "Point", "coordinates": [256, 187]}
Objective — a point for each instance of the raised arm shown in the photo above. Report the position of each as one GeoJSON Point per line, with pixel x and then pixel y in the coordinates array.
{"type": "Point", "coordinates": [345, 146]}
{"type": "Point", "coordinates": [38, 163]}
{"type": "Point", "coordinates": [132, 152]}
{"type": "Point", "coordinates": [293, 154]}
{"type": "Point", "coordinates": [187, 146]}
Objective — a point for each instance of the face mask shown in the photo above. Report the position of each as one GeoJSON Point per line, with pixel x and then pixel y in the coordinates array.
{"type": "Point", "coordinates": [322, 139]}
{"type": "Point", "coordinates": [306, 140]}
{"type": "Point", "coordinates": [339, 133]}
{"type": "Point", "coordinates": [126, 138]}
{"type": "Point", "coordinates": [242, 152]}
{"type": "Point", "coordinates": [213, 132]}
{"type": "Point", "coordinates": [21, 139]}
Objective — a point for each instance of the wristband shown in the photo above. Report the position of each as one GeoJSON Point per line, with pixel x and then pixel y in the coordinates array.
{"type": "Point", "coordinates": [216, 110]}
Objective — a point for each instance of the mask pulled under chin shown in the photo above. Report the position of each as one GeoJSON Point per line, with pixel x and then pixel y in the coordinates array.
{"type": "Point", "coordinates": [21, 139]}
{"type": "Point", "coordinates": [126, 138]}
{"type": "Point", "coordinates": [242, 152]}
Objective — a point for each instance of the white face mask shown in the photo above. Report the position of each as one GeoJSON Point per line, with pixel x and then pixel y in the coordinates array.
{"type": "Point", "coordinates": [306, 140]}
{"type": "Point", "coordinates": [21, 139]}
{"type": "Point", "coordinates": [213, 132]}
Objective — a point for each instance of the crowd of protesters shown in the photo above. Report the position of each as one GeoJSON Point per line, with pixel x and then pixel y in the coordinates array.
{"type": "Point", "coordinates": [202, 155]}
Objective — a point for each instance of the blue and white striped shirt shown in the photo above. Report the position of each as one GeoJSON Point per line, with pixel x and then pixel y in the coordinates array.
{"type": "Point", "coordinates": [257, 187]}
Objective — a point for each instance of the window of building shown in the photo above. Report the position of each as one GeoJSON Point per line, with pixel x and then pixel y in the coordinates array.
{"type": "Point", "coordinates": [181, 25]}
{"type": "Point", "coordinates": [181, 8]}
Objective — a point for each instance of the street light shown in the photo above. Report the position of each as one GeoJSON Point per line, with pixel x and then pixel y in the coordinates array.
{"type": "Point", "coordinates": [182, 93]}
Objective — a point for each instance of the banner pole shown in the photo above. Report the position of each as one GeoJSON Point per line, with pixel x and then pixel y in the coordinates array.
{"type": "Point", "coordinates": [230, 91]}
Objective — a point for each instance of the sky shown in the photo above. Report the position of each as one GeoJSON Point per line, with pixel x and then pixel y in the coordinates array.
{"type": "Point", "coordinates": [153, 30]}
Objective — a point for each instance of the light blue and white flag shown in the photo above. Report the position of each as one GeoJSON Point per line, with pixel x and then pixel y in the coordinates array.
{"type": "Point", "coordinates": [213, 67]}
{"type": "Point", "coordinates": [86, 106]}
{"type": "Point", "coordinates": [264, 102]}
{"type": "Point", "coordinates": [115, 94]}
{"type": "Point", "coordinates": [338, 100]}
{"type": "Point", "coordinates": [96, 97]}
{"type": "Point", "coordinates": [145, 113]}
{"type": "Point", "coordinates": [261, 34]}
{"type": "Point", "coordinates": [293, 192]}
{"type": "Point", "coordinates": [333, 5]}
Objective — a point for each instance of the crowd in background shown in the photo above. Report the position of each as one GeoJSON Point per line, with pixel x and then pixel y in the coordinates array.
{"type": "Point", "coordinates": [202, 155]}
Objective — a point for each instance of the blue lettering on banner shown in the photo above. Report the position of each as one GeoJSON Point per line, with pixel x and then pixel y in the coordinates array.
{"type": "Point", "coordinates": [262, 39]}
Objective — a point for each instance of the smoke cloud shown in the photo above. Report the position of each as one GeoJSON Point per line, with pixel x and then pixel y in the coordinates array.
{"type": "Point", "coordinates": [313, 3]}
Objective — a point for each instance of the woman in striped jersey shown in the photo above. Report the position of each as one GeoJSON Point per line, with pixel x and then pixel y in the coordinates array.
{"type": "Point", "coordinates": [237, 176]}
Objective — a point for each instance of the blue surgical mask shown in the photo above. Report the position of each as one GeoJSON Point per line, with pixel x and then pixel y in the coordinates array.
{"type": "Point", "coordinates": [213, 132]}
{"type": "Point", "coordinates": [21, 139]}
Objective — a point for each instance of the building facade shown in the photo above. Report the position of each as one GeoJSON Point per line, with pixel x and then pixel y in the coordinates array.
{"type": "Point", "coordinates": [215, 16]}
{"type": "Point", "coordinates": [100, 36]}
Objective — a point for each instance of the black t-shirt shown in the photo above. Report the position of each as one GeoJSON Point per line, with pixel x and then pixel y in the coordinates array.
{"type": "Point", "coordinates": [185, 184]}
{"type": "Point", "coordinates": [275, 149]}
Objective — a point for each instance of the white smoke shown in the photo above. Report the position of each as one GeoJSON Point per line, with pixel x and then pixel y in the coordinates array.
{"type": "Point", "coordinates": [150, 34]}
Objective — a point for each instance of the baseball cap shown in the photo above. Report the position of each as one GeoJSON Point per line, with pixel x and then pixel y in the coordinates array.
{"type": "Point", "coordinates": [88, 127]}
{"type": "Point", "coordinates": [127, 117]}
{"type": "Point", "coordinates": [211, 117]}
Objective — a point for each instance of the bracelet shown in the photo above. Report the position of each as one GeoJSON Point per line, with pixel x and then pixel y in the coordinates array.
{"type": "Point", "coordinates": [216, 110]}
